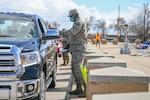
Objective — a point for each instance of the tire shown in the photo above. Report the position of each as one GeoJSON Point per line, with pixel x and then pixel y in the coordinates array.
{"type": "Point", "coordinates": [53, 75]}
{"type": "Point", "coordinates": [42, 94]}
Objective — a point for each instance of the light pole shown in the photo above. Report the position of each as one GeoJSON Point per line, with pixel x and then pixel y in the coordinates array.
{"type": "Point", "coordinates": [126, 32]}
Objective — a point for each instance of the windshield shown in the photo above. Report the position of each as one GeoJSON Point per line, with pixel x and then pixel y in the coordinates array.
{"type": "Point", "coordinates": [17, 28]}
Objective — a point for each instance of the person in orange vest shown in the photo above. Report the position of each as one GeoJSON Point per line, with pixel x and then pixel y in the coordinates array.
{"type": "Point", "coordinates": [98, 38]}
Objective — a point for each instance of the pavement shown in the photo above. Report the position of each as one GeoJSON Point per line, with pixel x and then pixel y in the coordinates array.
{"type": "Point", "coordinates": [63, 83]}
{"type": "Point", "coordinates": [137, 60]}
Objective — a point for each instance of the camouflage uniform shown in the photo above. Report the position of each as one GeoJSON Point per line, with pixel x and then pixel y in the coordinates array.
{"type": "Point", "coordinates": [78, 43]}
{"type": "Point", "coordinates": [65, 44]}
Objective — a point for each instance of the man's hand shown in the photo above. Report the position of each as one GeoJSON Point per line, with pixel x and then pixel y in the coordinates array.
{"type": "Point", "coordinates": [61, 32]}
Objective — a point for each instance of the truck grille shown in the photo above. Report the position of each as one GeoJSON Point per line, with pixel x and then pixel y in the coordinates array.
{"type": "Point", "coordinates": [10, 63]}
{"type": "Point", "coordinates": [5, 49]}
{"type": "Point", "coordinates": [7, 60]}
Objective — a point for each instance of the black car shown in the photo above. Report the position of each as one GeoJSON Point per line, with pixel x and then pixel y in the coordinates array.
{"type": "Point", "coordinates": [28, 57]}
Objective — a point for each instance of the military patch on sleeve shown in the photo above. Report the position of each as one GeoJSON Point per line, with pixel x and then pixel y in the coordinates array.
{"type": "Point", "coordinates": [78, 24]}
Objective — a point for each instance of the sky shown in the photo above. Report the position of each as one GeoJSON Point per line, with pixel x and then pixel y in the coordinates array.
{"type": "Point", "coordinates": [57, 10]}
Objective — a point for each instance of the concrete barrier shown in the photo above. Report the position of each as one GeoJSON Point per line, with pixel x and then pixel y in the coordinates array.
{"type": "Point", "coordinates": [95, 55]}
{"type": "Point", "coordinates": [104, 41]}
{"type": "Point", "coordinates": [94, 41]}
{"type": "Point", "coordinates": [98, 63]}
{"type": "Point", "coordinates": [123, 96]}
{"type": "Point", "coordinates": [95, 51]}
{"type": "Point", "coordinates": [104, 62]}
{"type": "Point", "coordinates": [115, 41]}
{"type": "Point", "coordinates": [98, 55]}
{"type": "Point", "coordinates": [137, 41]}
{"type": "Point", "coordinates": [116, 80]}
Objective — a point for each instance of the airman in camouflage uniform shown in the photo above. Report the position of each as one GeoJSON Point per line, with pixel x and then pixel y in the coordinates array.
{"type": "Point", "coordinates": [78, 43]}
{"type": "Point", "coordinates": [66, 44]}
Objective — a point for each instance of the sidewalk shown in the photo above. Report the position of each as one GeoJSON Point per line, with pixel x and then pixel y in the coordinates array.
{"type": "Point", "coordinates": [63, 83]}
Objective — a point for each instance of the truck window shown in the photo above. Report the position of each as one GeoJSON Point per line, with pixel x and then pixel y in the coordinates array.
{"type": "Point", "coordinates": [42, 26]}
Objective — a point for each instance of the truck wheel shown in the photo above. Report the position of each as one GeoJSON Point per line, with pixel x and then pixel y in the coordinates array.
{"type": "Point", "coordinates": [53, 75]}
{"type": "Point", "coordinates": [42, 94]}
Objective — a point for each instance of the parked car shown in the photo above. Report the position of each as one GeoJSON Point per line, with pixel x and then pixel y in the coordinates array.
{"type": "Point", "coordinates": [28, 57]}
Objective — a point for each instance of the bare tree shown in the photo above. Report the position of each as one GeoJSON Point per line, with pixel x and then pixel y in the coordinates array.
{"type": "Point", "coordinates": [56, 25]}
{"type": "Point", "coordinates": [47, 23]}
{"type": "Point", "coordinates": [121, 28]}
{"type": "Point", "coordinates": [101, 26]}
{"type": "Point", "coordinates": [141, 24]}
{"type": "Point", "coordinates": [89, 23]}
{"type": "Point", "coordinates": [110, 26]}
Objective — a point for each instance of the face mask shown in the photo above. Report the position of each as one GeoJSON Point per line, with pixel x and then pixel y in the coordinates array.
{"type": "Point", "coordinates": [72, 19]}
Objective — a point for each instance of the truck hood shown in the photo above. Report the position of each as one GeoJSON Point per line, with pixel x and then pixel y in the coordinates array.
{"type": "Point", "coordinates": [24, 45]}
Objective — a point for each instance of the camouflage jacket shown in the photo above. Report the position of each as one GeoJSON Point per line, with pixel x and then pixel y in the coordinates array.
{"type": "Point", "coordinates": [78, 39]}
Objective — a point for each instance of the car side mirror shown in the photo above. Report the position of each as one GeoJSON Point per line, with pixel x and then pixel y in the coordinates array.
{"type": "Point", "coordinates": [51, 34]}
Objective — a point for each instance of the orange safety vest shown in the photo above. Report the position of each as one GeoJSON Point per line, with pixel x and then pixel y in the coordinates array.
{"type": "Point", "coordinates": [97, 36]}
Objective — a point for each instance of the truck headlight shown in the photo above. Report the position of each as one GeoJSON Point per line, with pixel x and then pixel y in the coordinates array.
{"type": "Point", "coordinates": [30, 58]}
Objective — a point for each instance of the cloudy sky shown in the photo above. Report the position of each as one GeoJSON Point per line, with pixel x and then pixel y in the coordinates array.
{"type": "Point", "coordinates": [57, 10]}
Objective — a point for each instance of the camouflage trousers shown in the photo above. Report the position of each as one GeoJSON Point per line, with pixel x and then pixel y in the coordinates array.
{"type": "Point", "coordinates": [77, 58]}
{"type": "Point", "coordinates": [65, 57]}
